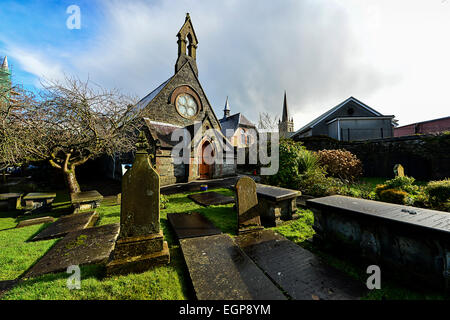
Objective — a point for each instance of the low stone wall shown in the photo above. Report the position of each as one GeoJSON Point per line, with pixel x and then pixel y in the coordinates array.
{"type": "Point", "coordinates": [424, 157]}
{"type": "Point", "coordinates": [407, 243]}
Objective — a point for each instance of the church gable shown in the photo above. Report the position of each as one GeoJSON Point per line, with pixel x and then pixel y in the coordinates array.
{"type": "Point", "coordinates": [182, 101]}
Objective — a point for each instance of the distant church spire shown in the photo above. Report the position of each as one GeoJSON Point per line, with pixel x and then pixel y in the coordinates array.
{"type": "Point", "coordinates": [187, 45]}
{"type": "Point", "coordinates": [5, 64]}
{"type": "Point", "coordinates": [286, 125]}
{"type": "Point", "coordinates": [226, 109]}
{"type": "Point", "coordinates": [285, 116]}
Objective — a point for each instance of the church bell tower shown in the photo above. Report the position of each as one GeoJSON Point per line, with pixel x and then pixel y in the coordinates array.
{"type": "Point", "coordinates": [187, 45]}
{"type": "Point", "coordinates": [286, 125]}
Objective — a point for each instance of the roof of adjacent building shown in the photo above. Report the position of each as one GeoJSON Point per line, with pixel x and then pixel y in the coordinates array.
{"type": "Point", "coordinates": [422, 122]}
{"type": "Point", "coordinates": [334, 109]}
{"type": "Point", "coordinates": [234, 121]}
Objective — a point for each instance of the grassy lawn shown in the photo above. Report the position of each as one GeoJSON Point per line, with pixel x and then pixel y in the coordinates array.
{"type": "Point", "coordinates": [161, 283]}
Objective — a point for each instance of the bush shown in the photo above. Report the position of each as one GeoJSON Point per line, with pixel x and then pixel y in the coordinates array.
{"type": "Point", "coordinates": [340, 164]}
{"type": "Point", "coordinates": [394, 196]}
{"type": "Point", "coordinates": [405, 184]}
{"type": "Point", "coordinates": [294, 160]}
{"type": "Point", "coordinates": [314, 182]}
{"type": "Point", "coordinates": [438, 191]}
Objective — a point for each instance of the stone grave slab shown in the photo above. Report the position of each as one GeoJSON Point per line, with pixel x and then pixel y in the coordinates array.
{"type": "Point", "coordinates": [86, 200]}
{"type": "Point", "coordinates": [211, 198]}
{"type": "Point", "coordinates": [300, 274]}
{"type": "Point", "coordinates": [190, 225]}
{"type": "Point", "coordinates": [36, 200]}
{"type": "Point", "coordinates": [31, 222]}
{"type": "Point", "coordinates": [219, 270]}
{"type": "Point", "coordinates": [66, 224]}
{"type": "Point", "coordinates": [11, 199]}
{"type": "Point", "coordinates": [89, 246]}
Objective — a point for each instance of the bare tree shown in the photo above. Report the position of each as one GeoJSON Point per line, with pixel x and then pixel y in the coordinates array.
{"type": "Point", "coordinates": [266, 121]}
{"type": "Point", "coordinates": [75, 121]}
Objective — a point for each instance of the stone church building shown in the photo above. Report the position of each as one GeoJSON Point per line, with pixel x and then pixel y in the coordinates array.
{"type": "Point", "coordinates": [181, 103]}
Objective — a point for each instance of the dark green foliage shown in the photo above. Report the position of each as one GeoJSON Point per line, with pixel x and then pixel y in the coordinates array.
{"type": "Point", "coordinates": [394, 196]}
{"type": "Point", "coordinates": [438, 191]}
{"type": "Point", "coordinates": [299, 169]}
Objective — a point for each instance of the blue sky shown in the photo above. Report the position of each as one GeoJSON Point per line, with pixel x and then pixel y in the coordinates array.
{"type": "Point", "coordinates": [392, 55]}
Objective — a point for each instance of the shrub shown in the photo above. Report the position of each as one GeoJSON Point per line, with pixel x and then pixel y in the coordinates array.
{"type": "Point", "coordinates": [394, 196]}
{"type": "Point", "coordinates": [398, 183]}
{"type": "Point", "coordinates": [294, 160]}
{"type": "Point", "coordinates": [341, 164]}
{"type": "Point", "coordinates": [314, 182]}
{"type": "Point", "coordinates": [438, 191]}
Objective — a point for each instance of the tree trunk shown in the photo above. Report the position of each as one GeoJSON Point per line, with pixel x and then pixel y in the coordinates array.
{"type": "Point", "coordinates": [71, 180]}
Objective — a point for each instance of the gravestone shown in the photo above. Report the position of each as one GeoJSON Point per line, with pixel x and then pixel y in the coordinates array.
{"type": "Point", "coordinates": [85, 200]}
{"type": "Point", "coordinates": [399, 171]}
{"type": "Point", "coordinates": [66, 224]}
{"type": "Point", "coordinates": [210, 198]}
{"type": "Point", "coordinates": [32, 222]}
{"type": "Point", "coordinates": [82, 247]}
{"type": "Point", "coordinates": [246, 206]}
{"type": "Point", "coordinates": [191, 225]}
{"type": "Point", "coordinates": [140, 244]}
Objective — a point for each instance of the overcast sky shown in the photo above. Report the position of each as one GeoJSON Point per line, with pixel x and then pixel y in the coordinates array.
{"type": "Point", "coordinates": [392, 55]}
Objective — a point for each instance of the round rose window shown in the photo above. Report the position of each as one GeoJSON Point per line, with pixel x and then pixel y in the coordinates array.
{"type": "Point", "coordinates": [186, 105]}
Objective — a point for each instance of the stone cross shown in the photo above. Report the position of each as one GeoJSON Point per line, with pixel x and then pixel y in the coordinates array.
{"type": "Point", "coordinates": [399, 170]}
{"type": "Point", "coordinates": [139, 211]}
{"type": "Point", "coordinates": [246, 205]}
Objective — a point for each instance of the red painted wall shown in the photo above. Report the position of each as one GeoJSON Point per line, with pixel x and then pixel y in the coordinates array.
{"type": "Point", "coordinates": [432, 126]}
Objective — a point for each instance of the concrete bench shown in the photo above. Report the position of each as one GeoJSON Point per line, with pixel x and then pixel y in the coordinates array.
{"type": "Point", "coordinates": [12, 200]}
{"type": "Point", "coordinates": [276, 204]}
{"type": "Point", "coordinates": [86, 200]}
{"type": "Point", "coordinates": [412, 244]}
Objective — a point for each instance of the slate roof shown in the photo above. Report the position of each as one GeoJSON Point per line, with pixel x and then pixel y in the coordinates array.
{"type": "Point", "coordinates": [146, 100]}
{"type": "Point", "coordinates": [232, 122]}
{"type": "Point", "coordinates": [162, 132]}
{"type": "Point", "coordinates": [332, 110]}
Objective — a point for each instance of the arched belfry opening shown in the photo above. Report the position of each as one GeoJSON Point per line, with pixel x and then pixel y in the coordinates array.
{"type": "Point", "coordinates": [187, 45]}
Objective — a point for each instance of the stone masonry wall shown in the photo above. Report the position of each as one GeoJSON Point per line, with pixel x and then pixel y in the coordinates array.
{"type": "Point", "coordinates": [424, 157]}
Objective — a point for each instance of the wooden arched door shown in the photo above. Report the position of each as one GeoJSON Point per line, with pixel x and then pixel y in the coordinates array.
{"type": "Point", "coordinates": [205, 168]}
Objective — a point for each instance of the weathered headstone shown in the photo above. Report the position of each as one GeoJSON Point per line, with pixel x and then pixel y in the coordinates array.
{"type": "Point", "coordinates": [399, 171]}
{"type": "Point", "coordinates": [141, 244]}
{"type": "Point", "coordinates": [246, 206]}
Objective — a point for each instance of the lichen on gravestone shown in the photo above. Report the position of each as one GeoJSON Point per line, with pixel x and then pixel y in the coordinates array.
{"type": "Point", "coordinates": [140, 211]}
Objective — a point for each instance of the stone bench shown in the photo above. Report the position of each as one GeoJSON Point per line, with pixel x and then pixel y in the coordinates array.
{"type": "Point", "coordinates": [86, 200]}
{"type": "Point", "coordinates": [37, 200]}
{"type": "Point", "coordinates": [12, 200]}
{"type": "Point", "coordinates": [276, 204]}
{"type": "Point", "coordinates": [411, 244]}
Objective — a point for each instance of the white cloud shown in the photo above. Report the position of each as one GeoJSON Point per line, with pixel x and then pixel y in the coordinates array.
{"type": "Point", "coordinates": [392, 55]}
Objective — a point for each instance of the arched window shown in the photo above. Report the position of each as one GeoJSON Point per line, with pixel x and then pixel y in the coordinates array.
{"type": "Point", "coordinates": [243, 136]}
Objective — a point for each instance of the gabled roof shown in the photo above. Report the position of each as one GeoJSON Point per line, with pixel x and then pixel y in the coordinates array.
{"type": "Point", "coordinates": [332, 110]}
{"type": "Point", "coordinates": [232, 122]}
{"type": "Point", "coordinates": [152, 95]}
{"type": "Point", "coordinates": [148, 98]}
